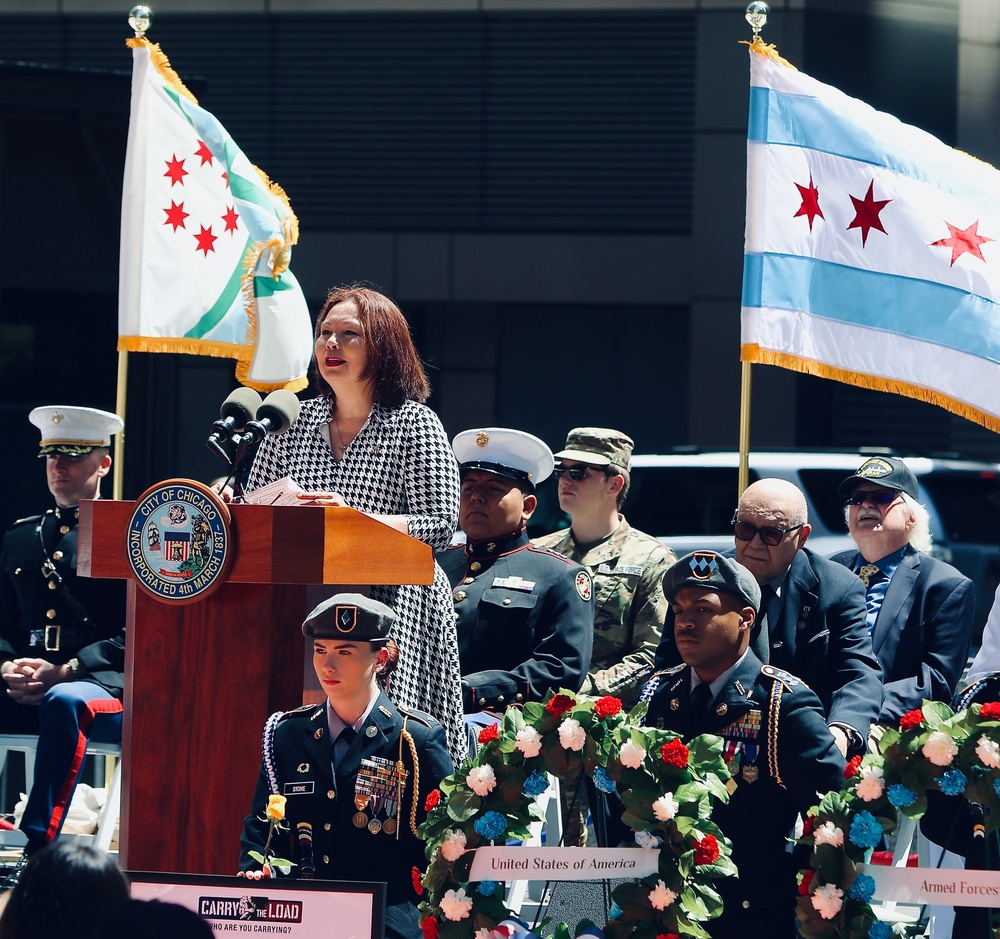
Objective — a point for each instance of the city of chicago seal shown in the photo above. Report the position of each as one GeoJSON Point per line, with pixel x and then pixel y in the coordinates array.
{"type": "Point", "coordinates": [179, 541]}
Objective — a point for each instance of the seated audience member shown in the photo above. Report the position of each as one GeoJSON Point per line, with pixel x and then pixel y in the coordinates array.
{"type": "Point", "coordinates": [154, 919]}
{"type": "Point", "coordinates": [62, 637]}
{"type": "Point", "coordinates": [919, 609]}
{"type": "Point", "coordinates": [775, 737]}
{"type": "Point", "coordinates": [524, 615]}
{"type": "Point", "coordinates": [352, 769]}
{"type": "Point", "coordinates": [65, 889]}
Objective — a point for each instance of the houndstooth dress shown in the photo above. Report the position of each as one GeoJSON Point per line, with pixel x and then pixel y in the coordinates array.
{"type": "Point", "coordinates": [400, 463]}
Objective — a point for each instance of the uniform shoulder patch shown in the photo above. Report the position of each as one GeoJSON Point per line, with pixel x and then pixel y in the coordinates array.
{"type": "Point", "coordinates": [584, 584]}
{"type": "Point", "coordinates": [428, 720]}
{"type": "Point", "coordinates": [790, 681]}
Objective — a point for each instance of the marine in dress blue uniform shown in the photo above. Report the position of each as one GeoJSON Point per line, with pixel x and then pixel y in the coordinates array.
{"type": "Point", "coordinates": [524, 615]}
{"type": "Point", "coordinates": [62, 637]}
{"type": "Point", "coordinates": [776, 742]}
{"type": "Point", "coordinates": [355, 821]}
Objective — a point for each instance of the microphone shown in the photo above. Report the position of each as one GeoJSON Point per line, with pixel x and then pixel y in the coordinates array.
{"type": "Point", "coordinates": [277, 412]}
{"type": "Point", "coordinates": [236, 411]}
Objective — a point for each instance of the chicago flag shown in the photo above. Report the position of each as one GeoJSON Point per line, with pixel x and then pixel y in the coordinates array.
{"type": "Point", "coordinates": [872, 252]}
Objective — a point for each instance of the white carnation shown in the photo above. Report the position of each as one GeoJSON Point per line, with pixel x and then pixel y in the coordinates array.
{"type": "Point", "coordinates": [456, 905]}
{"type": "Point", "coordinates": [571, 735]}
{"type": "Point", "coordinates": [481, 780]}
{"type": "Point", "coordinates": [528, 741]}
{"type": "Point", "coordinates": [827, 900]}
{"type": "Point", "coordinates": [632, 755]}
{"type": "Point", "coordinates": [661, 896]}
{"type": "Point", "coordinates": [453, 846]}
{"type": "Point", "coordinates": [665, 808]}
{"type": "Point", "coordinates": [870, 786]}
{"type": "Point", "coordinates": [988, 751]}
{"type": "Point", "coordinates": [940, 749]}
{"type": "Point", "coordinates": [828, 833]}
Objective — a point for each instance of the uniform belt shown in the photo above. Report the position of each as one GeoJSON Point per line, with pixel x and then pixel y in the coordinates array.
{"type": "Point", "coordinates": [54, 638]}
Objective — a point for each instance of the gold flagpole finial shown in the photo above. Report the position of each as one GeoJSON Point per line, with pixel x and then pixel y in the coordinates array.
{"type": "Point", "coordinates": [139, 18]}
{"type": "Point", "coordinates": [756, 15]}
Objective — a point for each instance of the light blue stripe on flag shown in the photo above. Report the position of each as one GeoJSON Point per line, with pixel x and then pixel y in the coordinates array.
{"type": "Point", "coordinates": [921, 309]}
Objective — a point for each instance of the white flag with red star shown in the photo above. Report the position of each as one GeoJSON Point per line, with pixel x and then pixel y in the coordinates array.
{"type": "Point", "coordinates": [206, 240]}
{"type": "Point", "coordinates": [872, 253]}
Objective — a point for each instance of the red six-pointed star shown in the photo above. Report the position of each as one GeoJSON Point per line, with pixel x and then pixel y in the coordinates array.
{"type": "Point", "coordinates": [866, 213]}
{"type": "Point", "coordinates": [231, 218]}
{"type": "Point", "coordinates": [203, 152]}
{"type": "Point", "coordinates": [176, 215]}
{"type": "Point", "coordinates": [206, 240]}
{"type": "Point", "coordinates": [963, 240]}
{"type": "Point", "coordinates": [175, 170]}
{"type": "Point", "coordinates": [810, 202]}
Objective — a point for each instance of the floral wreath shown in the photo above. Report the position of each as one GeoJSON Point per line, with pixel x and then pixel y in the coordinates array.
{"type": "Point", "coordinates": [934, 749]}
{"type": "Point", "coordinates": [665, 786]}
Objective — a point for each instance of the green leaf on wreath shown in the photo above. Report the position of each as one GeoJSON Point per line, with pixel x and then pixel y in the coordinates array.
{"type": "Point", "coordinates": [463, 805]}
{"type": "Point", "coordinates": [936, 713]}
{"type": "Point", "coordinates": [637, 713]}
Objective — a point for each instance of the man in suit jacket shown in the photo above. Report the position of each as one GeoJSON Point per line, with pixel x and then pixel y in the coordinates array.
{"type": "Point", "coordinates": [812, 621]}
{"type": "Point", "coordinates": [775, 739]}
{"type": "Point", "coordinates": [919, 609]}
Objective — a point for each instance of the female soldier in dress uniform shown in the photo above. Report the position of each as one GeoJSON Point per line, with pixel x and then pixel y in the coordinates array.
{"type": "Point", "coordinates": [355, 770]}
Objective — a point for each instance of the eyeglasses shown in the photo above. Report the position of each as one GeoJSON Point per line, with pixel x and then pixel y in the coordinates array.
{"type": "Point", "coordinates": [769, 534]}
{"type": "Point", "coordinates": [875, 496]}
{"type": "Point", "coordinates": [575, 472]}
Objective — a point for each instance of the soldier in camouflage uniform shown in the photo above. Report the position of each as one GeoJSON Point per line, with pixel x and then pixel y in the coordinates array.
{"type": "Point", "coordinates": [627, 567]}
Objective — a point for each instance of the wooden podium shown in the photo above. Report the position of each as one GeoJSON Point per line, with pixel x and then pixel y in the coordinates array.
{"type": "Point", "coordinates": [201, 678]}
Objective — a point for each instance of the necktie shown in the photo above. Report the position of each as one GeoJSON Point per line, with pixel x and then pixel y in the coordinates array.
{"type": "Point", "coordinates": [700, 698]}
{"type": "Point", "coordinates": [867, 572]}
{"type": "Point", "coordinates": [342, 744]}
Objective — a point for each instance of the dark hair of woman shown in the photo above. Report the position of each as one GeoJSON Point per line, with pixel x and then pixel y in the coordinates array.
{"type": "Point", "coordinates": [66, 888]}
{"type": "Point", "coordinates": [154, 919]}
{"type": "Point", "coordinates": [394, 369]}
{"type": "Point", "coordinates": [383, 673]}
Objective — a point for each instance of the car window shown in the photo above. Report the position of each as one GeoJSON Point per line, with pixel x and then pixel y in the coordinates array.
{"type": "Point", "coordinates": [675, 500]}
{"type": "Point", "coordinates": [967, 502]}
{"type": "Point", "coordinates": [821, 487]}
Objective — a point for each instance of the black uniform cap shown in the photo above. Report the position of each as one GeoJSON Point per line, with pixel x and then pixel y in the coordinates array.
{"type": "Point", "coordinates": [350, 616]}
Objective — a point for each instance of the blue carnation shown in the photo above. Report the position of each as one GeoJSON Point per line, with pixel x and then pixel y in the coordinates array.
{"type": "Point", "coordinates": [880, 930]}
{"type": "Point", "coordinates": [900, 796]}
{"type": "Point", "coordinates": [603, 781]}
{"type": "Point", "coordinates": [953, 782]}
{"type": "Point", "coordinates": [487, 888]}
{"type": "Point", "coordinates": [491, 826]}
{"type": "Point", "coordinates": [615, 912]}
{"type": "Point", "coordinates": [863, 888]}
{"type": "Point", "coordinates": [536, 784]}
{"type": "Point", "coordinates": [996, 787]}
{"type": "Point", "coordinates": [865, 831]}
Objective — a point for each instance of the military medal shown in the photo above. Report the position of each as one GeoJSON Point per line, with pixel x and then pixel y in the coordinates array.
{"type": "Point", "coordinates": [389, 826]}
{"type": "Point", "coordinates": [360, 820]}
{"type": "Point", "coordinates": [374, 826]}
{"type": "Point", "coordinates": [750, 773]}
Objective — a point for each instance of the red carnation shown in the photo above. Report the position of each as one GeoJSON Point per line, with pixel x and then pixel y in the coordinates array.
{"type": "Point", "coordinates": [607, 706]}
{"type": "Point", "coordinates": [488, 733]}
{"type": "Point", "coordinates": [430, 927]}
{"type": "Point", "coordinates": [559, 704]}
{"type": "Point", "coordinates": [674, 753]}
{"type": "Point", "coordinates": [706, 851]}
{"type": "Point", "coordinates": [853, 765]}
{"type": "Point", "coordinates": [417, 877]}
{"type": "Point", "coordinates": [807, 878]}
{"type": "Point", "coordinates": [433, 798]}
{"type": "Point", "coordinates": [990, 711]}
{"type": "Point", "coordinates": [808, 825]}
{"type": "Point", "coordinates": [668, 935]}
{"type": "Point", "coordinates": [911, 719]}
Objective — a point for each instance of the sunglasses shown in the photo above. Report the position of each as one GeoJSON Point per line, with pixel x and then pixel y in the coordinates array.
{"type": "Point", "coordinates": [769, 534]}
{"type": "Point", "coordinates": [875, 496]}
{"type": "Point", "coordinates": [575, 472]}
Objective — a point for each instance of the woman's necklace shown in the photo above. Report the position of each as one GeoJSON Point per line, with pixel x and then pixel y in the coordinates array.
{"type": "Point", "coordinates": [343, 441]}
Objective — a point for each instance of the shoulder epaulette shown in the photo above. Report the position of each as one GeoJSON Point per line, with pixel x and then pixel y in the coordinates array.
{"type": "Point", "coordinates": [538, 549]}
{"type": "Point", "coordinates": [428, 720]}
{"type": "Point", "coordinates": [32, 519]}
{"type": "Point", "coordinates": [790, 681]}
{"type": "Point", "coordinates": [673, 670]}
{"type": "Point", "coordinates": [303, 711]}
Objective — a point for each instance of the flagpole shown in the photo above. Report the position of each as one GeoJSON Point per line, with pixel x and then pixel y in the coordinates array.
{"type": "Point", "coordinates": [744, 471]}
{"type": "Point", "coordinates": [118, 465]}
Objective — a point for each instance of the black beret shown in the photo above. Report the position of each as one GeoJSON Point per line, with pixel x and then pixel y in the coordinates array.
{"type": "Point", "coordinates": [349, 616]}
{"type": "Point", "coordinates": [716, 571]}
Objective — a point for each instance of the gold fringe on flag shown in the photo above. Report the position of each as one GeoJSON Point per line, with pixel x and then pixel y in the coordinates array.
{"type": "Point", "coordinates": [751, 352]}
{"type": "Point", "coordinates": [162, 64]}
{"type": "Point", "coordinates": [767, 49]}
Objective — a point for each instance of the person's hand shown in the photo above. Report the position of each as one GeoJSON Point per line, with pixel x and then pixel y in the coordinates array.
{"type": "Point", "coordinates": [256, 875]}
{"type": "Point", "coordinates": [225, 493]}
{"type": "Point", "coordinates": [321, 498]}
{"type": "Point", "coordinates": [840, 738]}
{"type": "Point", "coordinates": [29, 679]}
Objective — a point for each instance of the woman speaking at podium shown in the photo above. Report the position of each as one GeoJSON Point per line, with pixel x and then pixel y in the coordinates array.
{"type": "Point", "coordinates": [367, 441]}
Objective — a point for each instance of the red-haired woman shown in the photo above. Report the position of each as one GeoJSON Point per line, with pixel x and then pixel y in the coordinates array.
{"type": "Point", "coordinates": [368, 442]}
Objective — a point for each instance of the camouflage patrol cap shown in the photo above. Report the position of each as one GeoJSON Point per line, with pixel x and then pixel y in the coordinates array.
{"type": "Point", "coordinates": [598, 446]}
{"type": "Point", "coordinates": [716, 571]}
{"type": "Point", "coordinates": [350, 616]}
